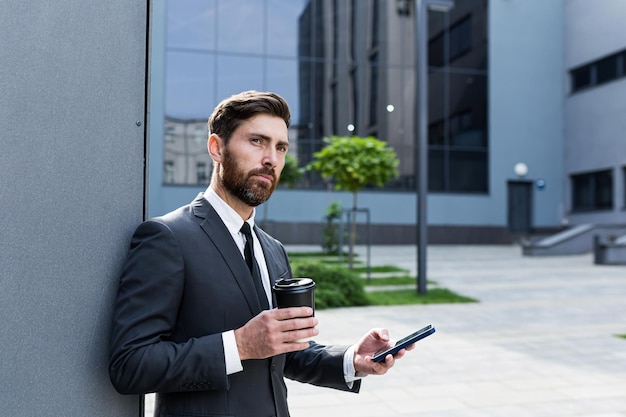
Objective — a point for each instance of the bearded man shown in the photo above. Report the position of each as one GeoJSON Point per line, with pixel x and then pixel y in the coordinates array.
{"type": "Point", "coordinates": [193, 322]}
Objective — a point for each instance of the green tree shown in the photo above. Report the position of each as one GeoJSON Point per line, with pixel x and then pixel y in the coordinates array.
{"type": "Point", "coordinates": [291, 173]}
{"type": "Point", "coordinates": [354, 162]}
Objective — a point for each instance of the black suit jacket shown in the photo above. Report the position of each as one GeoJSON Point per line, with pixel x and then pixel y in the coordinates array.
{"type": "Point", "coordinates": [183, 284]}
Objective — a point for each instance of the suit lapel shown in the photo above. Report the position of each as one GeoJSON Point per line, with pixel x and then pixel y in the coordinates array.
{"type": "Point", "coordinates": [221, 238]}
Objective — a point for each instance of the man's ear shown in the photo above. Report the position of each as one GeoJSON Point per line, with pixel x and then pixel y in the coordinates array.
{"type": "Point", "coordinates": [215, 147]}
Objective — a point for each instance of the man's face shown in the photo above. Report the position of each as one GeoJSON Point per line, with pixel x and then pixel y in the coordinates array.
{"type": "Point", "coordinates": [254, 158]}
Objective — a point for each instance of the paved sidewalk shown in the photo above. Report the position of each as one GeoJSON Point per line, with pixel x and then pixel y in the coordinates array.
{"type": "Point", "coordinates": [540, 343]}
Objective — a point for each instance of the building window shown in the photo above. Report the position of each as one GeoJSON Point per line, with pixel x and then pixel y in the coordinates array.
{"type": "Point", "coordinates": [170, 134]}
{"type": "Point", "coordinates": [202, 173]}
{"type": "Point", "coordinates": [592, 191]}
{"type": "Point", "coordinates": [338, 63]}
{"type": "Point", "coordinates": [375, 26]}
{"type": "Point", "coordinates": [460, 43]}
{"type": "Point", "coordinates": [606, 69]}
{"type": "Point", "coordinates": [182, 155]}
{"type": "Point", "coordinates": [200, 134]}
{"type": "Point", "coordinates": [461, 38]}
{"type": "Point", "coordinates": [581, 78]}
{"type": "Point", "coordinates": [373, 93]}
{"type": "Point", "coordinates": [168, 172]}
{"type": "Point", "coordinates": [458, 155]}
{"type": "Point", "coordinates": [599, 72]}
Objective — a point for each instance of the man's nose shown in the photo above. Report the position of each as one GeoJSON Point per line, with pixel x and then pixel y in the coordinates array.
{"type": "Point", "coordinates": [270, 158]}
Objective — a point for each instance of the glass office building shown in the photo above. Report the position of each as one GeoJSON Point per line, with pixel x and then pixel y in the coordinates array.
{"type": "Point", "coordinates": [345, 67]}
{"type": "Point", "coordinates": [507, 84]}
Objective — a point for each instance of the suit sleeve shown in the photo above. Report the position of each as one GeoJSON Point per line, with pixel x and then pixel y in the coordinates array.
{"type": "Point", "coordinates": [144, 357]}
{"type": "Point", "coordinates": [319, 365]}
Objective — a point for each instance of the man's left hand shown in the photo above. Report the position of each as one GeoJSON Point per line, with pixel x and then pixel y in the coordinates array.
{"type": "Point", "coordinates": [374, 341]}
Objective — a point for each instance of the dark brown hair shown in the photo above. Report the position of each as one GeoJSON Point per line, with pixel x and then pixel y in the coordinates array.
{"type": "Point", "coordinates": [229, 114]}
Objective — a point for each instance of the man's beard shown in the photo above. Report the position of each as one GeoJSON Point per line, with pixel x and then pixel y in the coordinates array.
{"type": "Point", "coordinates": [241, 185]}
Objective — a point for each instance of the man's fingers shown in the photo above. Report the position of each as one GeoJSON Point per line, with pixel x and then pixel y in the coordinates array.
{"type": "Point", "coordinates": [297, 324]}
{"type": "Point", "coordinates": [292, 312]}
{"type": "Point", "coordinates": [380, 334]}
{"type": "Point", "coordinates": [380, 368]}
{"type": "Point", "coordinates": [294, 346]}
{"type": "Point", "coordinates": [298, 333]}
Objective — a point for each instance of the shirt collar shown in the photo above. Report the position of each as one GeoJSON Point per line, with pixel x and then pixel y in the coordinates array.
{"type": "Point", "coordinates": [229, 216]}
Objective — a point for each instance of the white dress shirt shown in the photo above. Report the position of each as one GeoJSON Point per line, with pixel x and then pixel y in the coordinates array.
{"type": "Point", "coordinates": [233, 223]}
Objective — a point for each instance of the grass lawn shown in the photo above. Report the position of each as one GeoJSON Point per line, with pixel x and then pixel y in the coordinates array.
{"type": "Point", "coordinates": [389, 280]}
{"type": "Point", "coordinates": [389, 276]}
{"type": "Point", "coordinates": [308, 255]}
{"type": "Point", "coordinates": [405, 297]}
{"type": "Point", "coordinates": [377, 269]}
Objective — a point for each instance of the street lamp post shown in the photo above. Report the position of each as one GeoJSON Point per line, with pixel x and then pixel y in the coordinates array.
{"type": "Point", "coordinates": [421, 117]}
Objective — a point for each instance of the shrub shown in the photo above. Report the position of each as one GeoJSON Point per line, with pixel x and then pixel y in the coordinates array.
{"type": "Point", "coordinates": [335, 285]}
{"type": "Point", "coordinates": [330, 244]}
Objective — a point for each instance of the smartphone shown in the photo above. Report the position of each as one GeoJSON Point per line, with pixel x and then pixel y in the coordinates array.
{"type": "Point", "coordinates": [402, 343]}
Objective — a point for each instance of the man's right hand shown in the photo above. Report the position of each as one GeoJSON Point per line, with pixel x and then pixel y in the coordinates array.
{"type": "Point", "coordinates": [273, 332]}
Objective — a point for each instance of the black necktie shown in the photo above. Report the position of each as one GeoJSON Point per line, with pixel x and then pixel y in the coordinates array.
{"type": "Point", "coordinates": [253, 266]}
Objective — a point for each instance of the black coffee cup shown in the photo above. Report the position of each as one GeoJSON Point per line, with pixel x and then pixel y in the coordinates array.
{"type": "Point", "coordinates": [295, 292]}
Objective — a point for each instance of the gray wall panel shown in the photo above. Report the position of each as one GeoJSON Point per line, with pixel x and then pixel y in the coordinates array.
{"type": "Point", "coordinates": [526, 115]}
{"type": "Point", "coordinates": [593, 30]}
{"type": "Point", "coordinates": [72, 76]}
{"type": "Point", "coordinates": [594, 117]}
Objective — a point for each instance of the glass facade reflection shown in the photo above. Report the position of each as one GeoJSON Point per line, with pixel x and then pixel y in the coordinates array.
{"type": "Point", "coordinates": [338, 63]}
